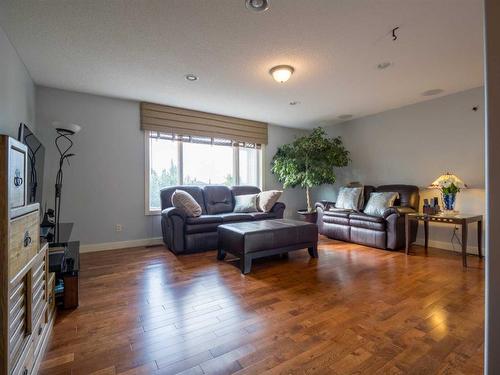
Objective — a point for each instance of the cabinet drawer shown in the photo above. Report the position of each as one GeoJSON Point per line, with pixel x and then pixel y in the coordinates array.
{"type": "Point", "coordinates": [17, 174]}
{"type": "Point", "coordinates": [39, 289]}
{"type": "Point", "coordinates": [24, 241]}
{"type": "Point", "coordinates": [37, 335]}
{"type": "Point", "coordinates": [25, 364]}
{"type": "Point", "coordinates": [18, 320]}
{"type": "Point", "coordinates": [51, 299]}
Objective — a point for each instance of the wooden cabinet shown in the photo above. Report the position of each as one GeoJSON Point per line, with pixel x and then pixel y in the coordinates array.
{"type": "Point", "coordinates": [26, 316]}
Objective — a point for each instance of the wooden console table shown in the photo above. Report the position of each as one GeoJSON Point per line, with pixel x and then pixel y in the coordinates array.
{"type": "Point", "coordinates": [458, 219]}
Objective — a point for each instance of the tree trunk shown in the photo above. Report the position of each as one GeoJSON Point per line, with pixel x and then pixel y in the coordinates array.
{"type": "Point", "coordinates": [308, 197]}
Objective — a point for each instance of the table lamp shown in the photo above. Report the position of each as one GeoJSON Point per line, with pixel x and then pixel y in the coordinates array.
{"type": "Point", "coordinates": [449, 185]}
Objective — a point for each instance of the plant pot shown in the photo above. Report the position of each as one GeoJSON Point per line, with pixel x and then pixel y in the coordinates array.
{"type": "Point", "coordinates": [309, 217]}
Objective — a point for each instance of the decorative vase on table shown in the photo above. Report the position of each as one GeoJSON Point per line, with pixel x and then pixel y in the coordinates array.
{"type": "Point", "coordinates": [449, 185]}
{"type": "Point", "coordinates": [449, 202]}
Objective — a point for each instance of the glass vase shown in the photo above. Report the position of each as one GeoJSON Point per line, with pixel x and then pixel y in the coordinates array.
{"type": "Point", "coordinates": [449, 202]}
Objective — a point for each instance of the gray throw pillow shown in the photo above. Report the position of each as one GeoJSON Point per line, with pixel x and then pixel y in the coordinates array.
{"type": "Point", "coordinates": [349, 198]}
{"type": "Point", "coordinates": [267, 199]}
{"type": "Point", "coordinates": [379, 202]}
{"type": "Point", "coordinates": [245, 203]}
{"type": "Point", "coordinates": [185, 202]}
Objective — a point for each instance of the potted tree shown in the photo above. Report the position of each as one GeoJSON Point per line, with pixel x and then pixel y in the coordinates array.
{"type": "Point", "coordinates": [309, 161]}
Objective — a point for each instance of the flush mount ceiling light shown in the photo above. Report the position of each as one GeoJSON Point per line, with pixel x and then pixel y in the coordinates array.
{"type": "Point", "coordinates": [281, 73]}
{"type": "Point", "coordinates": [432, 92]}
{"type": "Point", "coordinates": [191, 77]}
{"type": "Point", "coordinates": [384, 65]}
{"type": "Point", "coordinates": [257, 5]}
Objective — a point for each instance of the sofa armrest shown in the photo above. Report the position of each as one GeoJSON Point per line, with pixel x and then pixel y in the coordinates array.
{"type": "Point", "coordinates": [172, 225]}
{"type": "Point", "coordinates": [399, 211]}
{"type": "Point", "coordinates": [173, 211]}
{"type": "Point", "coordinates": [278, 209]}
{"type": "Point", "coordinates": [324, 205]}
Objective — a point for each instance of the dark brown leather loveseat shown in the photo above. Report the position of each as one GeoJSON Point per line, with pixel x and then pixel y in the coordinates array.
{"type": "Point", "coordinates": [387, 232]}
{"type": "Point", "coordinates": [184, 234]}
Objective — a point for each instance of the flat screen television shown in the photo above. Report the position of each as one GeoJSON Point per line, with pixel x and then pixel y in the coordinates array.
{"type": "Point", "coordinates": [36, 160]}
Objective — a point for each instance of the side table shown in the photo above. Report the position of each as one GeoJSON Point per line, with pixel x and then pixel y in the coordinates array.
{"type": "Point", "coordinates": [66, 266]}
{"type": "Point", "coordinates": [462, 220]}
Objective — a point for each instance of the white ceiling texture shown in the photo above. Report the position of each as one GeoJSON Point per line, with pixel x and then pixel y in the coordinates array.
{"type": "Point", "coordinates": [142, 50]}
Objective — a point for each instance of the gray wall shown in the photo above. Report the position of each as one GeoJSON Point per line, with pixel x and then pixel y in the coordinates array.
{"type": "Point", "coordinates": [492, 309]}
{"type": "Point", "coordinates": [295, 199]}
{"type": "Point", "coordinates": [105, 184]}
{"type": "Point", "coordinates": [17, 91]}
{"type": "Point", "coordinates": [414, 145]}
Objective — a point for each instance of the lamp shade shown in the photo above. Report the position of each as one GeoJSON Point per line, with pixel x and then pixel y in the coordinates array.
{"type": "Point", "coordinates": [445, 180]}
{"type": "Point", "coordinates": [68, 128]}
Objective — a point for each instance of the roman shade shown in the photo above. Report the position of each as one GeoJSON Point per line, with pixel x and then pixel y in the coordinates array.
{"type": "Point", "coordinates": [187, 122]}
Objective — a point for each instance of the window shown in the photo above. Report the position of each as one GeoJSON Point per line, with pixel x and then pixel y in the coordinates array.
{"type": "Point", "coordinates": [177, 160]}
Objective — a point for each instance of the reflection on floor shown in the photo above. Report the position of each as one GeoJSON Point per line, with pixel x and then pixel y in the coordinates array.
{"type": "Point", "coordinates": [353, 310]}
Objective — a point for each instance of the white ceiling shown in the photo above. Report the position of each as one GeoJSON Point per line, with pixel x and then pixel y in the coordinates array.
{"type": "Point", "coordinates": [141, 50]}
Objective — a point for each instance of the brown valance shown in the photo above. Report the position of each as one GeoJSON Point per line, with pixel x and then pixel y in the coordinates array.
{"type": "Point", "coordinates": [180, 121]}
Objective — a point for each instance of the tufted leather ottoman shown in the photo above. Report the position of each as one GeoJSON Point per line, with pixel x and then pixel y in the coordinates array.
{"type": "Point", "coordinates": [256, 239]}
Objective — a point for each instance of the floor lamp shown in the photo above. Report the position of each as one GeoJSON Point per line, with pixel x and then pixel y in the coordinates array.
{"type": "Point", "coordinates": [63, 144]}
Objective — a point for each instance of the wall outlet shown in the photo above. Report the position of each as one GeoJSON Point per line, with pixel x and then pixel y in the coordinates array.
{"type": "Point", "coordinates": [118, 228]}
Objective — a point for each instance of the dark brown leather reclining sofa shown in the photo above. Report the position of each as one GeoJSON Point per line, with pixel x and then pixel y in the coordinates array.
{"type": "Point", "coordinates": [184, 234]}
{"type": "Point", "coordinates": [387, 232]}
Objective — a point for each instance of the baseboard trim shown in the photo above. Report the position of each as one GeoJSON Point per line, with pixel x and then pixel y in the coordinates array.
{"type": "Point", "coordinates": [105, 246]}
{"type": "Point", "coordinates": [447, 246]}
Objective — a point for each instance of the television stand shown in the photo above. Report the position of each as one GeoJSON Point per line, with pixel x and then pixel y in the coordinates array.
{"type": "Point", "coordinates": [64, 260]}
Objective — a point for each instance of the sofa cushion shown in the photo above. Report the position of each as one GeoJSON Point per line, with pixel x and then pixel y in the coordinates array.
{"type": "Point", "coordinates": [244, 190]}
{"type": "Point", "coordinates": [350, 198]}
{"type": "Point", "coordinates": [235, 216]}
{"type": "Point", "coordinates": [185, 202]}
{"type": "Point", "coordinates": [262, 215]}
{"type": "Point", "coordinates": [379, 202]}
{"type": "Point", "coordinates": [267, 199]}
{"type": "Point", "coordinates": [408, 195]}
{"type": "Point", "coordinates": [245, 203]}
{"type": "Point", "coordinates": [218, 199]}
{"type": "Point", "coordinates": [367, 221]}
{"type": "Point", "coordinates": [194, 191]}
{"type": "Point", "coordinates": [336, 217]}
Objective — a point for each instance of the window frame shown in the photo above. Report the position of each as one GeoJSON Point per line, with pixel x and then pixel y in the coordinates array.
{"type": "Point", "coordinates": [236, 165]}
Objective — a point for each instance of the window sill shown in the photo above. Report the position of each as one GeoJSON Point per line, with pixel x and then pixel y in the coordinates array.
{"type": "Point", "coordinates": [153, 213]}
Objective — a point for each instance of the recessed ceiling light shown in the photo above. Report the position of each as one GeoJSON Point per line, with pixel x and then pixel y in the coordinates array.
{"type": "Point", "coordinates": [191, 77]}
{"type": "Point", "coordinates": [295, 102]}
{"type": "Point", "coordinates": [432, 92]}
{"type": "Point", "coordinates": [344, 117]}
{"type": "Point", "coordinates": [384, 65]}
{"type": "Point", "coordinates": [257, 5]}
{"type": "Point", "coordinates": [281, 73]}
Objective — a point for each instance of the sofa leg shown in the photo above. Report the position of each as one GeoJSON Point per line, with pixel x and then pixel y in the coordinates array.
{"type": "Point", "coordinates": [245, 264]}
{"type": "Point", "coordinates": [221, 254]}
{"type": "Point", "coordinates": [313, 251]}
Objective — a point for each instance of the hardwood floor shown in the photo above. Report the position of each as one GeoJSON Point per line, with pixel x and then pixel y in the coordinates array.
{"type": "Point", "coordinates": [353, 310]}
